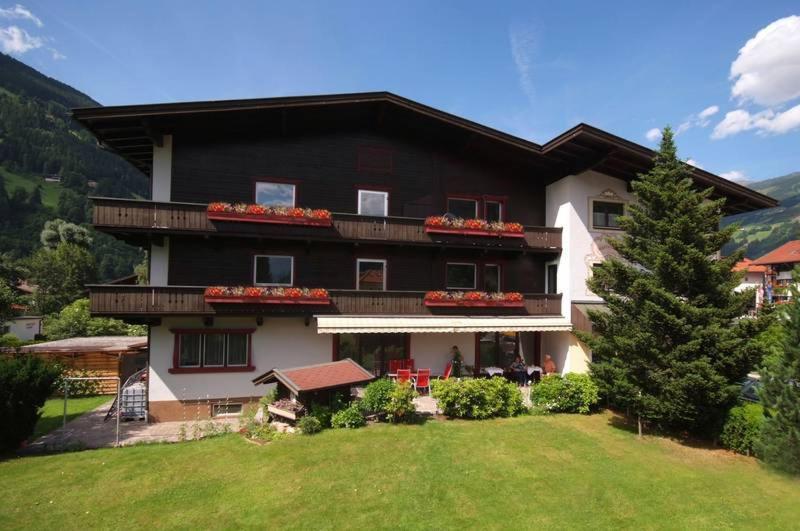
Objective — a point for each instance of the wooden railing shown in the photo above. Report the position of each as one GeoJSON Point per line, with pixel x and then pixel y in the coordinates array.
{"type": "Point", "coordinates": [129, 215]}
{"type": "Point", "coordinates": [133, 301]}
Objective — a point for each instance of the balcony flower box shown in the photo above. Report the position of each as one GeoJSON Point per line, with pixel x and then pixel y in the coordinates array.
{"type": "Point", "coordinates": [265, 295]}
{"type": "Point", "coordinates": [473, 227]}
{"type": "Point", "coordinates": [269, 214]}
{"type": "Point", "coordinates": [473, 299]}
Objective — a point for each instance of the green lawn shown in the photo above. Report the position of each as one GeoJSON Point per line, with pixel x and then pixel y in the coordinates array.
{"type": "Point", "coordinates": [560, 471]}
{"type": "Point", "coordinates": [53, 411]}
{"type": "Point", "coordinates": [50, 191]}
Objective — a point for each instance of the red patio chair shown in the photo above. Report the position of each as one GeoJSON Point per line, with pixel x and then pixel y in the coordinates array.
{"type": "Point", "coordinates": [448, 371]}
{"type": "Point", "coordinates": [409, 364]}
{"type": "Point", "coordinates": [395, 365]}
{"type": "Point", "coordinates": [403, 375]}
{"type": "Point", "coordinates": [423, 379]}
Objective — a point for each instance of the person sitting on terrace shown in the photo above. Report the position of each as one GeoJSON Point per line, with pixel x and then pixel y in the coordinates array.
{"type": "Point", "coordinates": [519, 370]}
{"type": "Point", "coordinates": [549, 365]}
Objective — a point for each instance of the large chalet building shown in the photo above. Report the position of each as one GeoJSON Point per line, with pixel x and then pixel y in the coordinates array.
{"type": "Point", "coordinates": [290, 231]}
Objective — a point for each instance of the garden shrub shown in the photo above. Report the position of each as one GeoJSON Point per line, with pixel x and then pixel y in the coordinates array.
{"type": "Point", "coordinates": [349, 417]}
{"type": "Point", "coordinates": [400, 406]}
{"type": "Point", "coordinates": [322, 413]}
{"type": "Point", "coordinates": [742, 428]}
{"type": "Point", "coordinates": [25, 383]}
{"type": "Point", "coordinates": [77, 387]}
{"type": "Point", "coordinates": [309, 425]}
{"type": "Point", "coordinates": [478, 398]}
{"type": "Point", "coordinates": [573, 393]}
{"type": "Point", "coordinates": [377, 395]}
{"type": "Point", "coordinates": [269, 398]}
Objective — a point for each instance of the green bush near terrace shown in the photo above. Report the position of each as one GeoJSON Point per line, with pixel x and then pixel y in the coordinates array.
{"type": "Point", "coordinates": [572, 393]}
{"type": "Point", "coordinates": [742, 428]}
{"type": "Point", "coordinates": [478, 398]}
{"type": "Point", "coordinates": [377, 395]}
{"type": "Point", "coordinates": [349, 417]}
{"type": "Point", "coordinates": [400, 407]}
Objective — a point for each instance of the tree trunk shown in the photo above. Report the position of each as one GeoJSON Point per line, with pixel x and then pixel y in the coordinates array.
{"type": "Point", "coordinates": [639, 422]}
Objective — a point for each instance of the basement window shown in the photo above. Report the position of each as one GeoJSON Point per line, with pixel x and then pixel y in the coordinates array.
{"type": "Point", "coordinates": [226, 410]}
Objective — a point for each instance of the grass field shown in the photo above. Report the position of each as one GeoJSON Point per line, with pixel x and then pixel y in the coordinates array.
{"type": "Point", "coordinates": [559, 471]}
{"type": "Point", "coordinates": [50, 191]}
{"type": "Point", "coordinates": [53, 412]}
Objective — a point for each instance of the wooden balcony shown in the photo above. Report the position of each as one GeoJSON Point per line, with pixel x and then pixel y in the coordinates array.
{"type": "Point", "coordinates": [138, 217]}
{"type": "Point", "coordinates": [156, 301]}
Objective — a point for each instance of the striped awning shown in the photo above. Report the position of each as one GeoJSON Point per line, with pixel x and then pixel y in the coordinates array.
{"type": "Point", "coordinates": [341, 324]}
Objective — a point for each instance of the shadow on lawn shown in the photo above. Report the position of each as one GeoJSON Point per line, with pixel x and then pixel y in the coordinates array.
{"type": "Point", "coordinates": [622, 422]}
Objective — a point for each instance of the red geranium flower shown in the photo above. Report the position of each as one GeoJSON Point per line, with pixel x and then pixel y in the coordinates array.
{"type": "Point", "coordinates": [514, 227]}
{"type": "Point", "coordinates": [252, 292]}
{"type": "Point", "coordinates": [256, 209]}
{"type": "Point", "coordinates": [218, 207]}
{"type": "Point", "coordinates": [214, 291]}
{"type": "Point", "coordinates": [321, 214]}
{"type": "Point", "coordinates": [513, 296]}
{"type": "Point", "coordinates": [474, 296]}
{"type": "Point", "coordinates": [474, 223]}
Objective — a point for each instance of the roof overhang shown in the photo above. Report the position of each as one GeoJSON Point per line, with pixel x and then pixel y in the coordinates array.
{"type": "Point", "coordinates": [133, 130]}
{"type": "Point", "coordinates": [342, 324]}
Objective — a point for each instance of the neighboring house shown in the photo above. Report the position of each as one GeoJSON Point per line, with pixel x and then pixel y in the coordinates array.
{"type": "Point", "coordinates": [780, 263]}
{"type": "Point", "coordinates": [754, 278]}
{"type": "Point", "coordinates": [109, 356]}
{"type": "Point", "coordinates": [382, 164]}
{"type": "Point", "coordinates": [23, 327]}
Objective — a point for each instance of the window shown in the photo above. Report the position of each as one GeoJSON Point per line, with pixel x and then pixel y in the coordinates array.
{"type": "Point", "coordinates": [462, 208]}
{"type": "Point", "coordinates": [274, 270]}
{"type": "Point", "coordinates": [606, 215]}
{"type": "Point", "coordinates": [460, 276]}
{"type": "Point", "coordinates": [493, 210]}
{"type": "Point", "coordinates": [552, 278]}
{"type": "Point", "coordinates": [226, 410]}
{"type": "Point", "coordinates": [373, 203]}
{"type": "Point", "coordinates": [371, 274]}
{"type": "Point", "coordinates": [203, 349]}
{"type": "Point", "coordinates": [497, 349]}
{"type": "Point", "coordinates": [491, 278]}
{"type": "Point", "coordinates": [372, 351]}
{"type": "Point", "coordinates": [275, 194]}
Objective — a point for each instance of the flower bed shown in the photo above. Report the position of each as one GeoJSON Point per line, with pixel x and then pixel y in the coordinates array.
{"type": "Point", "coordinates": [511, 299]}
{"type": "Point", "coordinates": [473, 227]}
{"type": "Point", "coordinates": [269, 214]}
{"type": "Point", "coordinates": [266, 295]}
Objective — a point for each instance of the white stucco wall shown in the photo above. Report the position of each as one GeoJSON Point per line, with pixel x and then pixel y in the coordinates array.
{"type": "Point", "coordinates": [24, 328]}
{"type": "Point", "coordinates": [569, 353]}
{"type": "Point", "coordinates": [279, 342]}
{"type": "Point", "coordinates": [432, 351]}
{"type": "Point", "coordinates": [159, 263]}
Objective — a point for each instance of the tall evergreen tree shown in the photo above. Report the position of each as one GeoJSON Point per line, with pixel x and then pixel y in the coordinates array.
{"type": "Point", "coordinates": [780, 438]}
{"type": "Point", "coordinates": [672, 347]}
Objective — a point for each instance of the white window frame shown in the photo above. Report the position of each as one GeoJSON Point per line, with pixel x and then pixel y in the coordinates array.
{"type": "Point", "coordinates": [547, 275]}
{"type": "Point", "coordinates": [246, 351]}
{"type": "Point", "coordinates": [294, 190]}
{"type": "Point", "coordinates": [594, 200]}
{"type": "Point", "coordinates": [199, 357]}
{"type": "Point", "coordinates": [499, 275]}
{"type": "Point", "coordinates": [373, 260]}
{"type": "Point", "coordinates": [224, 350]}
{"type": "Point", "coordinates": [255, 269]}
{"type": "Point", "coordinates": [226, 415]}
{"type": "Point", "coordinates": [385, 201]}
{"type": "Point", "coordinates": [456, 198]}
{"type": "Point", "coordinates": [474, 275]}
{"type": "Point", "coordinates": [500, 206]}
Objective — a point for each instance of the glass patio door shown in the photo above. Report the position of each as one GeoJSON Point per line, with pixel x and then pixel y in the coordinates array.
{"type": "Point", "coordinates": [373, 351]}
{"type": "Point", "coordinates": [497, 349]}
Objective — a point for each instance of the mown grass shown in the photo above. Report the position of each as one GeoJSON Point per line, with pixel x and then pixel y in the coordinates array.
{"type": "Point", "coordinates": [53, 412]}
{"type": "Point", "coordinates": [555, 472]}
{"type": "Point", "coordinates": [50, 191]}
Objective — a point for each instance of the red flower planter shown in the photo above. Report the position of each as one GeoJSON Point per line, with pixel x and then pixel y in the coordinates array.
{"type": "Point", "coordinates": [473, 232]}
{"type": "Point", "coordinates": [472, 299]}
{"type": "Point", "coordinates": [257, 295]}
{"type": "Point", "coordinates": [274, 215]}
{"type": "Point", "coordinates": [473, 227]}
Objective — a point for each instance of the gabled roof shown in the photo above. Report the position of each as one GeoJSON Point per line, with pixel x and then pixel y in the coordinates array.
{"type": "Point", "coordinates": [788, 253]}
{"type": "Point", "coordinates": [133, 130]}
{"type": "Point", "coordinates": [318, 377]}
{"type": "Point", "coordinates": [748, 265]}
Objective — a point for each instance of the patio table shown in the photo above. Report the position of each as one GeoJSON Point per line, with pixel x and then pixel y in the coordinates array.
{"type": "Point", "coordinates": [492, 371]}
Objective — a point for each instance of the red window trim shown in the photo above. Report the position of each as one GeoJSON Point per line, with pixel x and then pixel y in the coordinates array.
{"type": "Point", "coordinates": [177, 332]}
{"type": "Point", "coordinates": [481, 201]}
{"type": "Point", "coordinates": [278, 180]}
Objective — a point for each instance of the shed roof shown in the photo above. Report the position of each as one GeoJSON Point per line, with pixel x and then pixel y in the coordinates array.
{"type": "Point", "coordinates": [91, 344]}
{"type": "Point", "coordinates": [319, 377]}
{"type": "Point", "coordinates": [788, 253]}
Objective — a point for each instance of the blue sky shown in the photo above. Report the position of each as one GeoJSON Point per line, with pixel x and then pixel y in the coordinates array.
{"type": "Point", "coordinates": [532, 69]}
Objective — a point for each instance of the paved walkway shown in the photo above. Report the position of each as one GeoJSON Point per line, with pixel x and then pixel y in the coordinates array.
{"type": "Point", "coordinates": [91, 431]}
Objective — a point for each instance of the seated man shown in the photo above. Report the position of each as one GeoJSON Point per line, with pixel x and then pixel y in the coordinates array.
{"type": "Point", "coordinates": [549, 365]}
{"type": "Point", "coordinates": [519, 370]}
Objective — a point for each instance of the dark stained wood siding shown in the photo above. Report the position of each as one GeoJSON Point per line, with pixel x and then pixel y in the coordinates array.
{"type": "Point", "coordinates": [203, 262]}
{"type": "Point", "coordinates": [223, 167]}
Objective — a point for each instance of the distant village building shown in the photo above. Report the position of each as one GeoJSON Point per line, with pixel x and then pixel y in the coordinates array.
{"type": "Point", "coordinates": [754, 278]}
{"type": "Point", "coordinates": [52, 178]}
{"type": "Point", "coordinates": [24, 327]}
{"type": "Point", "coordinates": [779, 264]}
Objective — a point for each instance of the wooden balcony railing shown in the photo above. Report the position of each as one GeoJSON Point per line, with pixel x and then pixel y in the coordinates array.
{"type": "Point", "coordinates": [129, 215]}
{"type": "Point", "coordinates": [141, 301]}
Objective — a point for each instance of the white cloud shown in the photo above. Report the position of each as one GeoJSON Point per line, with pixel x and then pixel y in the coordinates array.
{"type": "Point", "coordinates": [700, 119]}
{"type": "Point", "coordinates": [766, 122]}
{"type": "Point", "coordinates": [20, 12]}
{"type": "Point", "coordinates": [523, 44]}
{"type": "Point", "coordinates": [734, 175]}
{"type": "Point", "coordinates": [694, 163]}
{"type": "Point", "coordinates": [57, 56]}
{"type": "Point", "coordinates": [15, 40]}
{"type": "Point", "coordinates": [653, 135]}
{"type": "Point", "coordinates": [767, 69]}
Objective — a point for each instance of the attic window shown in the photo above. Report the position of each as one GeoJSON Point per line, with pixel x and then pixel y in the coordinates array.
{"type": "Point", "coordinates": [375, 159]}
